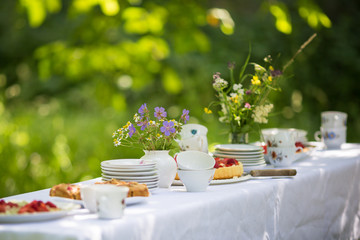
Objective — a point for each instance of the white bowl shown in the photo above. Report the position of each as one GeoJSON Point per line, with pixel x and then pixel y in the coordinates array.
{"type": "Point", "coordinates": [194, 160]}
{"type": "Point", "coordinates": [196, 180]}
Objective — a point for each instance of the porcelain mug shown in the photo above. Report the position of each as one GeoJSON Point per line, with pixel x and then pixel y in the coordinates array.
{"type": "Point", "coordinates": [331, 137]}
{"type": "Point", "coordinates": [281, 138]}
{"type": "Point", "coordinates": [333, 119]}
{"type": "Point", "coordinates": [282, 156]}
{"type": "Point", "coordinates": [105, 199]}
{"type": "Point", "coordinates": [193, 137]}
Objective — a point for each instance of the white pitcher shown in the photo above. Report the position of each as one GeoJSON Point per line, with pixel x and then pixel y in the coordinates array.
{"type": "Point", "coordinates": [193, 137]}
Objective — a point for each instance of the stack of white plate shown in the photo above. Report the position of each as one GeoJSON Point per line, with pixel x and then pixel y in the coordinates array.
{"type": "Point", "coordinates": [131, 170]}
{"type": "Point", "coordinates": [250, 156]}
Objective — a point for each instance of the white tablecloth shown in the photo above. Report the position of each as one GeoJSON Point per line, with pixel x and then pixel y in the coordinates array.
{"type": "Point", "coordinates": [321, 202]}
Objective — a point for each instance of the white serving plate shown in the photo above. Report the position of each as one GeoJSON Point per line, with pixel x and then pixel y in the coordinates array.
{"type": "Point", "coordinates": [128, 163]}
{"type": "Point", "coordinates": [253, 164]}
{"type": "Point", "coordinates": [66, 208]}
{"type": "Point", "coordinates": [237, 153]}
{"type": "Point", "coordinates": [238, 147]}
{"type": "Point", "coordinates": [245, 177]}
{"type": "Point", "coordinates": [128, 200]}
{"type": "Point", "coordinates": [249, 168]}
{"type": "Point", "coordinates": [127, 173]}
{"type": "Point", "coordinates": [239, 156]}
{"type": "Point", "coordinates": [142, 169]}
{"type": "Point", "coordinates": [139, 181]}
{"type": "Point", "coordinates": [251, 160]}
{"type": "Point", "coordinates": [132, 178]}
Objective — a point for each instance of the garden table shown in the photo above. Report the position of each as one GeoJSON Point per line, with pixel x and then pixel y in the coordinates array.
{"type": "Point", "coordinates": [321, 202]}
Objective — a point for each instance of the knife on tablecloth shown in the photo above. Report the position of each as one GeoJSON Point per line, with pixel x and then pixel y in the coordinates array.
{"type": "Point", "coordinates": [273, 172]}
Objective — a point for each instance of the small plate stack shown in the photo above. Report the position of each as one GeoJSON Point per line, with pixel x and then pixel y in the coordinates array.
{"type": "Point", "coordinates": [131, 170]}
{"type": "Point", "coordinates": [250, 156]}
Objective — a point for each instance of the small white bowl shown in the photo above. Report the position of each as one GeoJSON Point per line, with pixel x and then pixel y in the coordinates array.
{"type": "Point", "coordinates": [196, 180]}
{"type": "Point", "coordinates": [194, 160]}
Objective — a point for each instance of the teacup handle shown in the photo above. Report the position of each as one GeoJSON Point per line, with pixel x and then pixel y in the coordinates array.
{"type": "Point", "coordinates": [316, 136]}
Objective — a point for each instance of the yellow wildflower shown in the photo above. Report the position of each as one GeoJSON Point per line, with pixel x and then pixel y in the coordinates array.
{"type": "Point", "coordinates": [207, 111]}
{"type": "Point", "coordinates": [271, 68]}
{"type": "Point", "coordinates": [235, 98]}
{"type": "Point", "coordinates": [269, 78]}
{"type": "Point", "coordinates": [255, 80]}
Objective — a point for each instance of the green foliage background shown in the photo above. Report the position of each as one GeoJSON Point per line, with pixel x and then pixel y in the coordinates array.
{"type": "Point", "coordinates": [71, 72]}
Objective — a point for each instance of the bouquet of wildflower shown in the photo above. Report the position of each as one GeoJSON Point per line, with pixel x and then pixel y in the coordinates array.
{"type": "Point", "coordinates": [158, 134]}
{"type": "Point", "coordinates": [242, 107]}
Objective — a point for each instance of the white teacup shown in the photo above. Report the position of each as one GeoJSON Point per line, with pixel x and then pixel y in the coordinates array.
{"type": "Point", "coordinates": [282, 156]}
{"type": "Point", "coordinates": [193, 137]}
{"type": "Point", "coordinates": [299, 134]}
{"type": "Point", "coordinates": [333, 138]}
{"type": "Point", "coordinates": [333, 119]}
{"type": "Point", "coordinates": [105, 199]}
{"type": "Point", "coordinates": [280, 138]}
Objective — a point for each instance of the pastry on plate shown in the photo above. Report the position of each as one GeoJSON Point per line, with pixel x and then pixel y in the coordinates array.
{"type": "Point", "coordinates": [135, 189]}
{"type": "Point", "coordinates": [66, 190]}
{"type": "Point", "coordinates": [72, 191]}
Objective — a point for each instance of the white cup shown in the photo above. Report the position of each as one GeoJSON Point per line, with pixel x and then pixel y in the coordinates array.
{"type": "Point", "coordinates": [333, 138]}
{"type": "Point", "coordinates": [281, 138]}
{"type": "Point", "coordinates": [333, 119]}
{"type": "Point", "coordinates": [88, 196]}
{"type": "Point", "coordinates": [282, 156]}
{"type": "Point", "coordinates": [105, 199]}
{"type": "Point", "coordinates": [193, 137]}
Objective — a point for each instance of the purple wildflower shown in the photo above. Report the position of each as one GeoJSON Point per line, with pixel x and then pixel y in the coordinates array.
{"type": "Point", "coordinates": [160, 113]}
{"type": "Point", "coordinates": [143, 124]}
{"type": "Point", "coordinates": [167, 128]}
{"type": "Point", "coordinates": [132, 130]}
{"type": "Point", "coordinates": [248, 92]}
{"type": "Point", "coordinates": [185, 115]}
{"type": "Point", "coordinates": [143, 109]}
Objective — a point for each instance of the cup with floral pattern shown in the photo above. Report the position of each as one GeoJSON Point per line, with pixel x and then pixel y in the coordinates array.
{"type": "Point", "coordinates": [333, 138]}
{"type": "Point", "coordinates": [282, 156]}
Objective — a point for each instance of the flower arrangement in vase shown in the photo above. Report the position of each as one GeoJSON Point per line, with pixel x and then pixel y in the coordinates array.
{"type": "Point", "coordinates": [244, 101]}
{"type": "Point", "coordinates": [156, 137]}
{"type": "Point", "coordinates": [243, 107]}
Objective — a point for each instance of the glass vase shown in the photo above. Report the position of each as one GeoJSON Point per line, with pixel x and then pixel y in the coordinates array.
{"type": "Point", "coordinates": [239, 138]}
{"type": "Point", "coordinates": [165, 164]}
